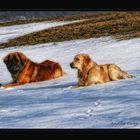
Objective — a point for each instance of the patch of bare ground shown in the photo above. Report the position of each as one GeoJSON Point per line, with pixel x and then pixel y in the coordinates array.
{"type": "Point", "coordinates": [121, 25]}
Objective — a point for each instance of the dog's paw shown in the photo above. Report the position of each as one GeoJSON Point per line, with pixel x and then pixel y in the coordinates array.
{"type": "Point", "coordinates": [6, 88]}
{"type": "Point", "coordinates": [67, 88]}
{"type": "Point", "coordinates": [2, 87]}
{"type": "Point", "coordinates": [76, 87]}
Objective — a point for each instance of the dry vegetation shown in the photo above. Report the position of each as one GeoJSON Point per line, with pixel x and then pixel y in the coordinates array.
{"type": "Point", "coordinates": [122, 25]}
{"type": "Point", "coordinates": [62, 18]}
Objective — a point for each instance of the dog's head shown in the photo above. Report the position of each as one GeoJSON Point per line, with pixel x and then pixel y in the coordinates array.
{"type": "Point", "coordinates": [80, 61]}
{"type": "Point", "coordinates": [15, 62]}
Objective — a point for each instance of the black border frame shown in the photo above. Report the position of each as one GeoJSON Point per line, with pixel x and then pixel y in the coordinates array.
{"type": "Point", "coordinates": [70, 5]}
{"type": "Point", "coordinates": [70, 133]}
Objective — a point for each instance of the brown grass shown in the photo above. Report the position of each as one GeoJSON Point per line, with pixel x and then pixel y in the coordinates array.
{"type": "Point", "coordinates": [122, 25]}
{"type": "Point", "coordinates": [61, 18]}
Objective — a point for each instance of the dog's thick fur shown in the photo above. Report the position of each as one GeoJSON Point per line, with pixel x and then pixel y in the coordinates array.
{"type": "Point", "coordinates": [89, 72]}
{"type": "Point", "coordinates": [23, 70]}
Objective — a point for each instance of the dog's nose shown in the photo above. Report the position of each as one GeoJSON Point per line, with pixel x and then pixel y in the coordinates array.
{"type": "Point", "coordinates": [71, 64]}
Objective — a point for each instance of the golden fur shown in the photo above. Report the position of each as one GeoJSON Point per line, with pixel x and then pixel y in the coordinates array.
{"type": "Point", "coordinates": [89, 72]}
{"type": "Point", "coordinates": [23, 70]}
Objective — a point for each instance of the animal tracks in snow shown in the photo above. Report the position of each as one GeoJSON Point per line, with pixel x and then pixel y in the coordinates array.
{"type": "Point", "coordinates": [89, 112]}
{"type": "Point", "coordinates": [7, 110]}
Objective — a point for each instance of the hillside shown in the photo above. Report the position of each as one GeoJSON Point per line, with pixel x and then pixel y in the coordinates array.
{"type": "Point", "coordinates": [120, 25]}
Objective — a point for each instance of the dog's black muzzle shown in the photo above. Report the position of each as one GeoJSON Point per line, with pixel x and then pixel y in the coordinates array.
{"type": "Point", "coordinates": [72, 65]}
{"type": "Point", "coordinates": [14, 69]}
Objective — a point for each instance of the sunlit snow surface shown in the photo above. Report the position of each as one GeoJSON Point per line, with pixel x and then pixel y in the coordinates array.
{"type": "Point", "coordinates": [10, 32]}
{"type": "Point", "coordinates": [53, 104]}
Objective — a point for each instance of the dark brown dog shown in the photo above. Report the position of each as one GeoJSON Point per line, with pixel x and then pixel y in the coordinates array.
{"type": "Point", "coordinates": [89, 72]}
{"type": "Point", "coordinates": [23, 70]}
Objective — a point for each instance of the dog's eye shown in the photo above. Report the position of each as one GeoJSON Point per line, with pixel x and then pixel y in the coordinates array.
{"type": "Point", "coordinates": [77, 59]}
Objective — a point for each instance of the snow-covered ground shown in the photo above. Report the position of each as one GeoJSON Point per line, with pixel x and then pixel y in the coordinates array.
{"type": "Point", "coordinates": [10, 32]}
{"type": "Point", "coordinates": [53, 104]}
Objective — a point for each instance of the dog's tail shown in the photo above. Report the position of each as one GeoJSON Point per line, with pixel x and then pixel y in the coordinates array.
{"type": "Point", "coordinates": [126, 75]}
{"type": "Point", "coordinates": [131, 76]}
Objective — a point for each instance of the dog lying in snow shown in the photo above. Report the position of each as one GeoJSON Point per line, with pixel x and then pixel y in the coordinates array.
{"type": "Point", "coordinates": [23, 70]}
{"type": "Point", "coordinates": [89, 72]}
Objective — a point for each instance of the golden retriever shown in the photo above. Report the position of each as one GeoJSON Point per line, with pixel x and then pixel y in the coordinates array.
{"type": "Point", "coordinates": [89, 72]}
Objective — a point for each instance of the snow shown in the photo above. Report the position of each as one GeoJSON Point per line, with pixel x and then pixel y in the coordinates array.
{"type": "Point", "coordinates": [10, 32]}
{"type": "Point", "coordinates": [54, 104]}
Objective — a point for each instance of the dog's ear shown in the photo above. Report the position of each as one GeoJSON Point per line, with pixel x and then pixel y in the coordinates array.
{"type": "Point", "coordinates": [87, 60]}
{"type": "Point", "coordinates": [23, 58]}
{"type": "Point", "coordinates": [86, 63]}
